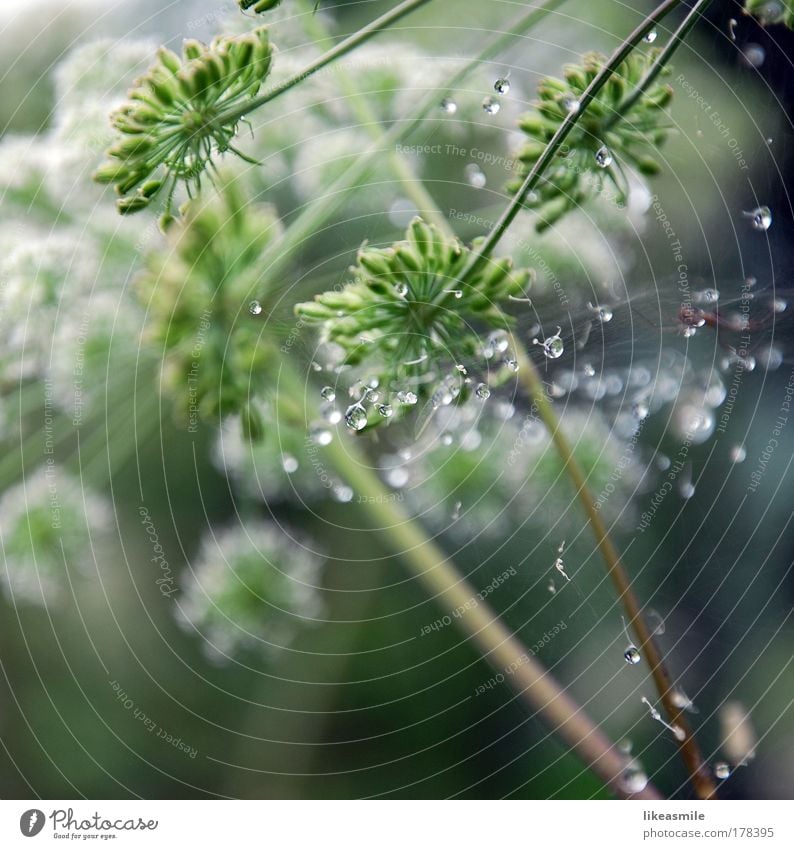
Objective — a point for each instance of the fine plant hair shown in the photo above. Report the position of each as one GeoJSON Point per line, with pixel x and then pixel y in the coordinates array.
{"type": "Point", "coordinates": [429, 303]}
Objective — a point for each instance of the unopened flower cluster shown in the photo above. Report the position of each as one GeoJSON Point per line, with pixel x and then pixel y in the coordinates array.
{"type": "Point", "coordinates": [180, 113]}
{"type": "Point", "coordinates": [407, 308]}
{"type": "Point", "coordinates": [198, 291]}
{"type": "Point", "coordinates": [603, 142]}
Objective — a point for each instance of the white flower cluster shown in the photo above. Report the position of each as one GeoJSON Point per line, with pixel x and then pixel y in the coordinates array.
{"type": "Point", "coordinates": [251, 587]}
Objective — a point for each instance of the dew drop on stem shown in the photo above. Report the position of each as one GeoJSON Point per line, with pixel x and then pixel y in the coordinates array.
{"type": "Point", "coordinates": [651, 37]}
{"type": "Point", "coordinates": [502, 85]}
{"type": "Point", "coordinates": [482, 391]}
{"type": "Point", "coordinates": [448, 106]}
{"type": "Point", "coordinates": [327, 393]}
{"type": "Point", "coordinates": [255, 308]}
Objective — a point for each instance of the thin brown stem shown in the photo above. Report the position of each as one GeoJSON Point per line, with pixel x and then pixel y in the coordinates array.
{"type": "Point", "coordinates": [699, 773]}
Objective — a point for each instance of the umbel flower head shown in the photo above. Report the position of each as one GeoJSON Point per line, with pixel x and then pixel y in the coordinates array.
{"type": "Point", "coordinates": [771, 11]}
{"type": "Point", "coordinates": [406, 309]}
{"type": "Point", "coordinates": [180, 112]}
{"type": "Point", "coordinates": [603, 141]}
{"type": "Point", "coordinates": [215, 354]}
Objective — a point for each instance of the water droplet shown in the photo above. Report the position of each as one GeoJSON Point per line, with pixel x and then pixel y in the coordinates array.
{"type": "Point", "coordinates": [316, 366]}
{"type": "Point", "coordinates": [553, 346]}
{"type": "Point", "coordinates": [588, 370]}
{"type": "Point", "coordinates": [760, 218]}
{"type": "Point", "coordinates": [737, 454]}
{"type": "Point", "coordinates": [330, 413]}
{"type": "Point", "coordinates": [255, 308]}
{"type": "Point", "coordinates": [402, 212]}
{"type": "Point", "coordinates": [342, 493]}
{"type": "Point", "coordinates": [722, 770]}
{"type": "Point", "coordinates": [753, 55]}
{"type": "Point", "coordinates": [779, 305]}
{"type": "Point", "coordinates": [604, 314]}
{"type": "Point", "coordinates": [651, 37]}
{"type": "Point", "coordinates": [634, 779]}
{"type": "Point", "coordinates": [770, 357]}
{"type": "Point", "coordinates": [570, 104]}
{"type": "Point", "coordinates": [498, 342]}
{"type": "Point", "coordinates": [289, 463]}
{"type": "Point", "coordinates": [475, 176]}
{"type": "Point", "coordinates": [603, 157]}
{"type": "Point", "coordinates": [397, 477]}
{"type": "Point", "coordinates": [681, 700]}
{"type": "Point", "coordinates": [511, 363]}
{"type": "Point", "coordinates": [456, 510]}
{"type": "Point", "coordinates": [320, 435]}
{"type": "Point", "coordinates": [401, 289]}
{"type": "Point", "coordinates": [686, 489]}
{"type": "Point", "coordinates": [385, 410]}
{"type": "Point", "coordinates": [407, 397]}
{"type": "Point", "coordinates": [327, 393]}
{"type": "Point", "coordinates": [482, 391]}
{"type": "Point", "coordinates": [502, 86]}
{"type": "Point", "coordinates": [655, 622]}
{"type": "Point", "coordinates": [456, 293]}
{"type": "Point", "coordinates": [356, 417]}
{"type": "Point", "coordinates": [632, 656]}
{"type": "Point", "coordinates": [706, 296]}
{"type": "Point", "coordinates": [732, 23]}
{"type": "Point", "coordinates": [491, 105]}
{"type": "Point", "coordinates": [448, 106]}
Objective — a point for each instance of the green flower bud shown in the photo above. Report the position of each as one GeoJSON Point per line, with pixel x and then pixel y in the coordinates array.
{"type": "Point", "coordinates": [188, 94]}
{"type": "Point", "coordinates": [410, 329]}
{"type": "Point", "coordinates": [584, 166]}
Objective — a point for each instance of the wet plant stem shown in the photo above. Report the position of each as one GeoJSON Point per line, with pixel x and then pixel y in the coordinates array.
{"type": "Point", "coordinates": [535, 686]}
{"type": "Point", "coordinates": [337, 51]}
{"type": "Point", "coordinates": [699, 773]}
{"type": "Point", "coordinates": [316, 215]}
{"type": "Point", "coordinates": [484, 251]}
{"type": "Point", "coordinates": [366, 116]}
{"type": "Point", "coordinates": [661, 61]}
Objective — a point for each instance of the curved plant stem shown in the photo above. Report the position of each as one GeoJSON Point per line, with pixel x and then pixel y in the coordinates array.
{"type": "Point", "coordinates": [700, 775]}
{"type": "Point", "coordinates": [368, 119]}
{"type": "Point", "coordinates": [345, 46]}
{"type": "Point", "coordinates": [693, 16]}
{"type": "Point", "coordinates": [316, 215]}
{"type": "Point", "coordinates": [539, 690]}
{"type": "Point", "coordinates": [483, 252]}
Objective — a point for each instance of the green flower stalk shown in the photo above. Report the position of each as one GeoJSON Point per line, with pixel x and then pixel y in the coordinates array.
{"type": "Point", "coordinates": [603, 142]}
{"type": "Point", "coordinates": [771, 11]}
{"type": "Point", "coordinates": [170, 127]}
{"type": "Point", "coordinates": [198, 290]}
{"type": "Point", "coordinates": [406, 308]}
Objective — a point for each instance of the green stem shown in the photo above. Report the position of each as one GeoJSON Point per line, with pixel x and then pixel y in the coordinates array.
{"type": "Point", "coordinates": [701, 778]}
{"type": "Point", "coordinates": [345, 46]}
{"type": "Point", "coordinates": [440, 577]}
{"type": "Point", "coordinates": [314, 217]}
{"type": "Point", "coordinates": [483, 252]}
{"type": "Point", "coordinates": [369, 120]}
{"type": "Point", "coordinates": [694, 15]}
